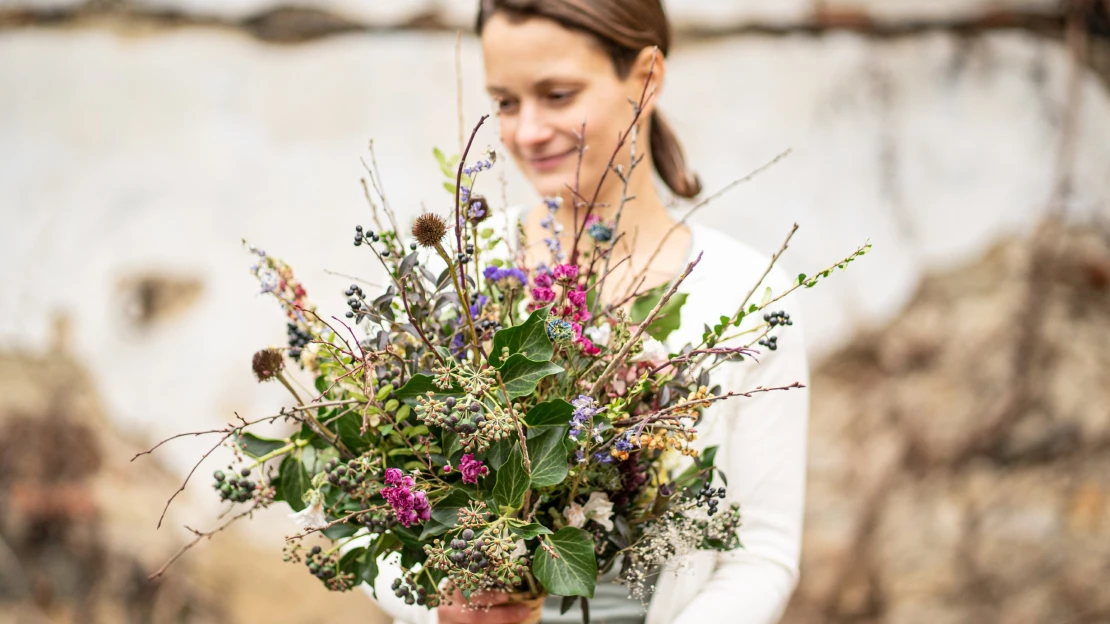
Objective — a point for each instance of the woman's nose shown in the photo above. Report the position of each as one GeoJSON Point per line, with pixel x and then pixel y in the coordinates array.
{"type": "Point", "coordinates": [533, 129]}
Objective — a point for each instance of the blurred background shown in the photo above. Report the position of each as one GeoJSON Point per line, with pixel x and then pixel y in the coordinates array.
{"type": "Point", "coordinates": [960, 433]}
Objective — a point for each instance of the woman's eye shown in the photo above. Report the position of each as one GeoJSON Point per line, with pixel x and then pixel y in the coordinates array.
{"type": "Point", "coordinates": [502, 105]}
{"type": "Point", "coordinates": [560, 97]}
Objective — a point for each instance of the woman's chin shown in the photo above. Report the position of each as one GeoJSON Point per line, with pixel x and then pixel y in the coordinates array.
{"type": "Point", "coordinates": [551, 184]}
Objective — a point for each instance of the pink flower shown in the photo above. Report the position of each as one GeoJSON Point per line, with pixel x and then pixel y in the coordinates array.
{"type": "Point", "coordinates": [543, 295]}
{"type": "Point", "coordinates": [409, 507]}
{"type": "Point", "coordinates": [577, 297]}
{"type": "Point", "coordinates": [471, 469]}
{"type": "Point", "coordinates": [566, 272]}
{"type": "Point", "coordinates": [588, 347]}
{"type": "Point", "coordinates": [543, 280]}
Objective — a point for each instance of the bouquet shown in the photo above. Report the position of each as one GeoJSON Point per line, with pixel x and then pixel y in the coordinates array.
{"type": "Point", "coordinates": [488, 426]}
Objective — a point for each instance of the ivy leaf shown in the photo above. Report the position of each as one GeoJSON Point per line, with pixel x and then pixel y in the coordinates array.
{"type": "Point", "coordinates": [422, 384]}
{"type": "Point", "coordinates": [548, 456]}
{"type": "Point", "coordinates": [498, 453]}
{"type": "Point", "coordinates": [512, 481]}
{"type": "Point", "coordinates": [549, 414]}
{"type": "Point", "coordinates": [349, 428]}
{"type": "Point", "coordinates": [339, 531]}
{"type": "Point", "coordinates": [257, 446]}
{"type": "Point", "coordinates": [528, 531]}
{"type": "Point", "coordinates": [294, 482]}
{"type": "Point", "coordinates": [530, 336]}
{"type": "Point", "coordinates": [521, 374]}
{"type": "Point", "coordinates": [574, 573]}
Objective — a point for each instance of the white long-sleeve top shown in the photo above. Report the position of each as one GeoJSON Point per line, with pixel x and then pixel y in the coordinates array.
{"type": "Point", "coordinates": [762, 451]}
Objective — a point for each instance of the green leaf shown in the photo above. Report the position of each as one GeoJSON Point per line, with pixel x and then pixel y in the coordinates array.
{"type": "Point", "coordinates": [669, 317]}
{"type": "Point", "coordinates": [445, 515]}
{"type": "Point", "coordinates": [548, 456]}
{"type": "Point", "coordinates": [766, 297]}
{"type": "Point", "coordinates": [451, 444]}
{"type": "Point", "coordinates": [528, 531]}
{"type": "Point", "coordinates": [512, 481]}
{"type": "Point", "coordinates": [549, 414]}
{"type": "Point", "coordinates": [349, 428]}
{"type": "Point", "coordinates": [450, 186]}
{"type": "Point", "coordinates": [498, 452]}
{"type": "Point", "coordinates": [339, 531]}
{"type": "Point", "coordinates": [521, 374]}
{"type": "Point", "coordinates": [574, 573]}
{"type": "Point", "coordinates": [422, 384]}
{"type": "Point", "coordinates": [368, 568]}
{"type": "Point", "coordinates": [294, 482]}
{"type": "Point", "coordinates": [530, 336]}
{"type": "Point", "coordinates": [257, 446]}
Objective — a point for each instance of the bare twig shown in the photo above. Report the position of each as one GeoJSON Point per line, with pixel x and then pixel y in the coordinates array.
{"type": "Point", "coordinates": [199, 536]}
{"type": "Point", "coordinates": [620, 357]}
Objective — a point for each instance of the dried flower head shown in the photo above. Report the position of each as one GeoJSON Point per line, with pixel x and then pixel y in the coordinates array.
{"type": "Point", "coordinates": [477, 209]}
{"type": "Point", "coordinates": [429, 229]}
{"type": "Point", "coordinates": [267, 364]}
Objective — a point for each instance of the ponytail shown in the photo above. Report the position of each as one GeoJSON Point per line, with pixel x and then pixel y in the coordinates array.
{"type": "Point", "coordinates": [670, 163]}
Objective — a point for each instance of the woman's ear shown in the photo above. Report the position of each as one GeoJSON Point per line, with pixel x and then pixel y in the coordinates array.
{"type": "Point", "coordinates": [648, 66]}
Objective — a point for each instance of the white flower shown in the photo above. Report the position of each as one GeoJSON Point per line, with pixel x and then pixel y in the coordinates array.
{"type": "Point", "coordinates": [654, 352]}
{"type": "Point", "coordinates": [312, 516]}
{"type": "Point", "coordinates": [599, 509]}
{"type": "Point", "coordinates": [600, 335]}
{"type": "Point", "coordinates": [574, 515]}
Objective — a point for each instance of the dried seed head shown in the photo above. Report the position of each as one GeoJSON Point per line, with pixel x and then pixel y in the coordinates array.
{"type": "Point", "coordinates": [429, 229]}
{"type": "Point", "coordinates": [267, 364]}
{"type": "Point", "coordinates": [477, 209]}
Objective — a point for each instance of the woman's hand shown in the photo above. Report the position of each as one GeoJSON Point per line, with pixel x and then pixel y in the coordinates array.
{"type": "Point", "coordinates": [459, 612]}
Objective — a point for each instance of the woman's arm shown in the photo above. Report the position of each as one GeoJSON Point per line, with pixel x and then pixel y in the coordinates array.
{"type": "Point", "coordinates": [765, 461]}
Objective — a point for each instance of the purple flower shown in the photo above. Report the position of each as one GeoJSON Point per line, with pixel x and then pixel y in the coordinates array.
{"type": "Point", "coordinates": [492, 273]}
{"type": "Point", "coordinates": [497, 274]}
{"type": "Point", "coordinates": [624, 445]}
{"type": "Point", "coordinates": [585, 408]}
{"type": "Point", "coordinates": [409, 507]}
{"type": "Point", "coordinates": [603, 458]}
{"type": "Point", "coordinates": [476, 308]}
{"type": "Point", "coordinates": [471, 469]}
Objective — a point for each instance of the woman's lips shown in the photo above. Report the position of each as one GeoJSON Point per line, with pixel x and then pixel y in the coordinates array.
{"type": "Point", "coordinates": [549, 163]}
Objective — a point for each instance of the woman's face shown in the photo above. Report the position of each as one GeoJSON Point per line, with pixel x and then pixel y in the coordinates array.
{"type": "Point", "coordinates": [546, 81]}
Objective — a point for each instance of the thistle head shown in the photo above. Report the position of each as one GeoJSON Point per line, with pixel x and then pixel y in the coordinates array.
{"type": "Point", "coordinates": [429, 229]}
{"type": "Point", "coordinates": [267, 363]}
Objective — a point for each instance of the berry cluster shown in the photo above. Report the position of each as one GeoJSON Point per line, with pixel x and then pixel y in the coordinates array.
{"type": "Point", "coordinates": [401, 590]}
{"type": "Point", "coordinates": [778, 318]}
{"type": "Point", "coordinates": [468, 556]}
{"type": "Point", "coordinates": [298, 339]}
{"type": "Point", "coordinates": [323, 566]}
{"type": "Point", "coordinates": [708, 497]}
{"type": "Point", "coordinates": [369, 236]}
{"type": "Point", "coordinates": [232, 489]}
{"type": "Point", "coordinates": [476, 428]}
{"type": "Point", "coordinates": [771, 342]}
{"type": "Point", "coordinates": [355, 301]}
{"type": "Point", "coordinates": [345, 476]}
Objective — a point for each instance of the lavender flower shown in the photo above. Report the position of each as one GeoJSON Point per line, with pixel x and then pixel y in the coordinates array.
{"type": "Point", "coordinates": [585, 408]}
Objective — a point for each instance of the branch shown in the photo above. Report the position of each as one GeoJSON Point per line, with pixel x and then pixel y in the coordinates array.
{"type": "Point", "coordinates": [199, 536]}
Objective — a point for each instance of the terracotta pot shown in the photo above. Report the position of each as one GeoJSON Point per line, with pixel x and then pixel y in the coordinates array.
{"type": "Point", "coordinates": [535, 605]}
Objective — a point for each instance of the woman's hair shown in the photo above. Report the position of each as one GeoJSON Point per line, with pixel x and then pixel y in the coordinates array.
{"type": "Point", "coordinates": [623, 28]}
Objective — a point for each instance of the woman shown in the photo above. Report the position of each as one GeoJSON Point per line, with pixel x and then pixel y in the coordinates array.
{"type": "Point", "coordinates": [552, 66]}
